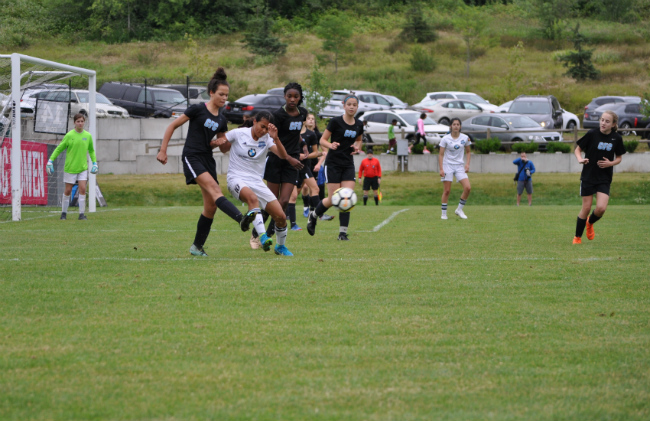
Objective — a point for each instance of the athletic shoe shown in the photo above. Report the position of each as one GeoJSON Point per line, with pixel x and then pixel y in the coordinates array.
{"type": "Point", "coordinates": [82, 217]}
{"type": "Point", "coordinates": [295, 228]}
{"type": "Point", "coordinates": [311, 223]}
{"type": "Point", "coordinates": [443, 216]}
{"type": "Point", "coordinates": [343, 236]}
{"type": "Point", "coordinates": [460, 213]}
{"type": "Point", "coordinates": [305, 213]}
{"type": "Point", "coordinates": [282, 251]}
{"type": "Point", "coordinates": [577, 240]}
{"type": "Point", "coordinates": [326, 218]}
{"type": "Point", "coordinates": [63, 214]}
{"type": "Point", "coordinates": [590, 231]}
{"type": "Point", "coordinates": [255, 243]}
{"type": "Point", "coordinates": [266, 242]}
{"type": "Point", "coordinates": [246, 220]}
{"type": "Point", "coordinates": [197, 251]}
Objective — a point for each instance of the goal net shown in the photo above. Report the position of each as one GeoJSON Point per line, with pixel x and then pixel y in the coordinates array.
{"type": "Point", "coordinates": [36, 106]}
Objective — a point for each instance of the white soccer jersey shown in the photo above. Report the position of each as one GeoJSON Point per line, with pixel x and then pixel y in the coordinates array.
{"type": "Point", "coordinates": [247, 156]}
{"type": "Point", "coordinates": [454, 149]}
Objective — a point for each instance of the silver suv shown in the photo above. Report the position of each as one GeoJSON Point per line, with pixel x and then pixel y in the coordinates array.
{"type": "Point", "coordinates": [368, 101]}
{"type": "Point", "coordinates": [544, 109]}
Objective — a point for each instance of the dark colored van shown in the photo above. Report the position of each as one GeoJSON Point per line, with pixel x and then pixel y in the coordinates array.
{"type": "Point", "coordinates": [159, 103]}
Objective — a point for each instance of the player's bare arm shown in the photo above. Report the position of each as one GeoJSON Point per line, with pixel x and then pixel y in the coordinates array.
{"type": "Point", "coordinates": [162, 154]}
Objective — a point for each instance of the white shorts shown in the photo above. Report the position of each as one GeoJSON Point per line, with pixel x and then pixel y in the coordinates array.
{"type": "Point", "coordinates": [452, 170]}
{"type": "Point", "coordinates": [264, 195]}
{"type": "Point", "coordinates": [73, 178]}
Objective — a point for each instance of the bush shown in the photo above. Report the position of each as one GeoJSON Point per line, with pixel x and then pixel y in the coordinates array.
{"type": "Point", "coordinates": [487, 145]}
{"type": "Point", "coordinates": [630, 145]}
{"type": "Point", "coordinates": [525, 147]}
{"type": "Point", "coordinates": [552, 147]}
{"type": "Point", "coordinates": [422, 60]}
{"type": "Point", "coordinates": [417, 149]}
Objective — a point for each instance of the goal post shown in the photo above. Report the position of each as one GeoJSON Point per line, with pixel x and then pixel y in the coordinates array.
{"type": "Point", "coordinates": [17, 89]}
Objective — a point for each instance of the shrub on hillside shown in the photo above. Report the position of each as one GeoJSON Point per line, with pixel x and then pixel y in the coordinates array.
{"type": "Point", "coordinates": [422, 60]}
{"type": "Point", "coordinates": [630, 145]}
{"type": "Point", "coordinates": [487, 145]}
{"type": "Point", "coordinates": [552, 147]}
{"type": "Point", "coordinates": [525, 147]}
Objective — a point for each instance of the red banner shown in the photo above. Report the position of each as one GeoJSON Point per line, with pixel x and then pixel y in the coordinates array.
{"type": "Point", "coordinates": [33, 160]}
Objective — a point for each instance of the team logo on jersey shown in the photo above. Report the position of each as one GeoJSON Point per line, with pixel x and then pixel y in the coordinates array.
{"type": "Point", "coordinates": [252, 152]}
{"type": "Point", "coordinates": [211, 124]}
{"type": "Point", "coordinates": [456, 147]}
{"type": "Point", "coordinates": [296, 125]}
{"type": "Point", "coordinates": [462, 142]}
{"type": "Point", "coordinates": [605, 146]}
{"type": "Point", "coordinates": [84, 138]}
{"type": "Point", "coordinates": [262, 144]}
{"type": "Point", "coordinates": [350, 133]}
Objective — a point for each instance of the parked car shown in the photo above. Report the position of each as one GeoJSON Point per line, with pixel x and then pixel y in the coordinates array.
{"type": "Point", "coordinates": [197, 94]}
{"type": "Point", "coordinates": [544, 109]}
{"type": "Point", "coordinates": [28, 99]}
{"type": "Point", "coordinates": [397, 103]}
{"type": "Point", "coordinates": [468, 96]}
{"type": "Point", "coordinates": [378, 122]}
{"type": "Point", "coordinates": [425, 106]}
{"type": "Point", "coordinates": [368, 101]}
{"type": "Point", "coordinates": [160, 102]}
{"type": "Point", "coordinates": [509, 128]}
{"type": "Point", "coordinates": [79, 102]}
{"type": "Point", "coordinates": [569, 120]}
{"type": "Point", "coordinates": [276, 91]}
{"type": "Point", "coordinates": [446, 109]}
{"type": "Point", "coordinates": [234, 111]}
{"type": "Point", "coordinates": [588, 120]}
{"type": "Point", "coordinates": [629, 116]}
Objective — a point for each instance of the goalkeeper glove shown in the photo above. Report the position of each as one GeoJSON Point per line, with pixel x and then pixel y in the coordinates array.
{"type": "Point", "coordinates": [49, 167]}
{"type": "Point", "coordinates": [94, 169]}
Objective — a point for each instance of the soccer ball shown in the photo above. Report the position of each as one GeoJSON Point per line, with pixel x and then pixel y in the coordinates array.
{"type": "Point", "coordinates": [344, 199]}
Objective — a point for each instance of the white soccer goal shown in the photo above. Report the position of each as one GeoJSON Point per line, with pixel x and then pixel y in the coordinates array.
{"type": "Point", "coordinates": [30, 128]}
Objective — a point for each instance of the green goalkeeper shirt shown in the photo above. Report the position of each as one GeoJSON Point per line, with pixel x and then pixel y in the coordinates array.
{"type": "Point", "coordinates": [77, 145]}
{"type": "Point", "coordinates": [391, 132]}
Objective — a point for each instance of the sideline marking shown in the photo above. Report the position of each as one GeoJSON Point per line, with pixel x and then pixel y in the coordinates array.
{"type": "Point", "coordinates": [387, 220]}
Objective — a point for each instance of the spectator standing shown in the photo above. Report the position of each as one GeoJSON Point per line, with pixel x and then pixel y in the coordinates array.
{"type": "Point", "coordinates": [523, 178]}
{"type": "Point", "coordinates": [371, 168]}
{"type": "Point", "coordinates": [420, 133]}
{"type": "Point", "coordinates": [392, 141]}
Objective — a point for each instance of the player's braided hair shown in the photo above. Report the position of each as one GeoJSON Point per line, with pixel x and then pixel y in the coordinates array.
{"type": "Point", "coordinates": [297, 87]}
{"type": "Point", "coordinates": [219, 78]}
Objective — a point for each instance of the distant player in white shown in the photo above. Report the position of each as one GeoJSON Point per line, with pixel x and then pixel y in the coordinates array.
{"type": "Point", "coordinates": [249, 147]}
{"type": "Point", "coordinates": [450, 161]}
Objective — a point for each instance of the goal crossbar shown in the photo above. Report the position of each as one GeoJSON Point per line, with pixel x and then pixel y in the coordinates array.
{"type": "Point", "coordinates": [16, 78]}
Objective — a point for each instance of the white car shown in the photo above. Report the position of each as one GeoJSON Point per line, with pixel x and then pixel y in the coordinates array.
{"type": "Point", "coordinates": [79, 102]}
{"type": "Point", "coordinates": [469, 96]}
{"type": "Point", "coordinates": [569, 120]}
{"type": "Point", "coordinates": [368, 101]}
{"type": "Point", "coordinates": [378, 122]}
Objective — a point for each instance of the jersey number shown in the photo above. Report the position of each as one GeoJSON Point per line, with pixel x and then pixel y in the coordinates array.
{"type": "Point", "coordinates": [605, 146]}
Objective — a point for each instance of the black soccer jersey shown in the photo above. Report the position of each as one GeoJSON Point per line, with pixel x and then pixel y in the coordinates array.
{"type": "Point", "coordinates": [204, 126]}
{"type": "Point", "coordinates": [310, 140]}
{"type": "Point", "coordinates": [289, 128]}
{"type": "Point", "coordinates": [597, 146]}
{"type": "Point", "coordinates": [345, 135]}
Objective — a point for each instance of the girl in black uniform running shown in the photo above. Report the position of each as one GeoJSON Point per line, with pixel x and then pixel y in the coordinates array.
{"type": "Point", "coordinates": [282, 175]}
{"type": "Point", "coordinates": [346, 133]}
{"type": "Point", "coordinates": [603, 149]}
{"type": "Point", "coordinates": [199, 166]}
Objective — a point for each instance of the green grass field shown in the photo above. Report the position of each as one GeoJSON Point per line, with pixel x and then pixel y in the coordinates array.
{"type": "Point", "coordinates": [495, 317]}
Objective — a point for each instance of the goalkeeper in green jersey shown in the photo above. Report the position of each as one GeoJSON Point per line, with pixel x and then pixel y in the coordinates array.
{"type": "Point", "coordinates": [78, 144]}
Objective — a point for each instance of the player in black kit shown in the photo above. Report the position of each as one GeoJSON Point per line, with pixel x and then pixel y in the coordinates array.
{"type": "Point", "coordinates": [603, 149]}
{"type": "Point", "coordinates": [346, 133]}
{"type": "Point", "coordinates": [199, 166]}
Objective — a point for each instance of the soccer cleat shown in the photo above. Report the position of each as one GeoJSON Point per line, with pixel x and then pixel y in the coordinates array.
{"type": "Point", "coordinates": [255, 243]}
{"type": "Point", "coordinates": [266, 242]}
{"type": "Point", "coordinates": [82, 217]}
{"type": "Point", "coordinates": [295, 228]}
{"type": "Point", "coordinates": [63, 216]}
{"type": "Point", "coordinates": [326, 218]}
{"type": "Point", "coordinates": [443, 216]}
{"type": "Point", "coordinates": [306, 213]}
{"type": "Point", "coordinates": [197, 251]}
{"type": "Point", "coordinates": [590, 231]}
{"type": "Point", "coordinates": [577, 240]}
{"type": "Point", "coordinates": [282, 250]}
{"type": "Point", "coordinates": [343, 236]}
{"type": "Point", "coordinates": [311, 223]}
{"type": "Point", "coordinates": [246, 220]}
{"type": "Point", "coordinates": [460, 213]}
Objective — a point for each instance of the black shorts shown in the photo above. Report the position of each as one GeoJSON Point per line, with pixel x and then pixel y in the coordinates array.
{"type": "Point", "coordinates": [336, 174]}
{"type": "Point", "coordinates": [195, 165]}
{"type": "Point", "coordinates": [305, 173]}
{"type": "Point", "coordinates": [589, 189]}
{"type": "Point", "coordinates": [371, 183]}
{"type": "Point", "coordinates": [279, 171]}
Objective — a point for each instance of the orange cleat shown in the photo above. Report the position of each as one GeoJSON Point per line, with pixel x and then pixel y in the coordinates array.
{"type": "Point", "coordinates": [577, 240]}
{"type": "Point", "coordinates": [590, 231]}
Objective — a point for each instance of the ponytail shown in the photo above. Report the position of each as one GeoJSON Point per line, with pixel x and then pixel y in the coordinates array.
{"type": "Point", "coordinates": [219, 78]}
